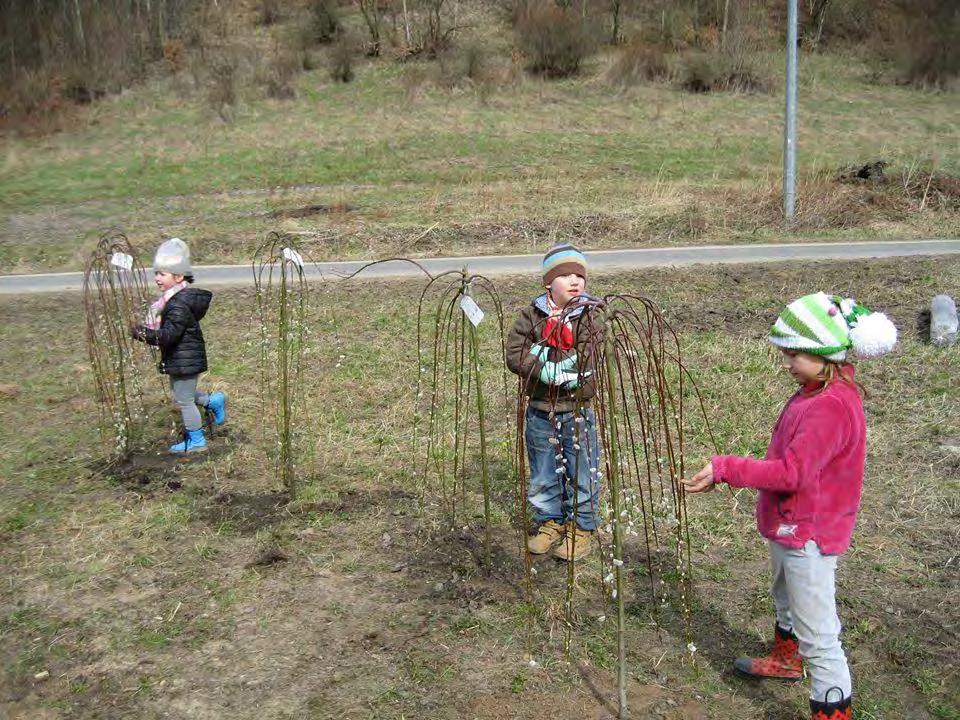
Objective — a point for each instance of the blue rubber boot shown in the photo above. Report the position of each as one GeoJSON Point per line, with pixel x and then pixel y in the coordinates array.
{"type": "Point", "coordinates": [217, 404]}
{"type": "Point", "coordinates": [193, 441]}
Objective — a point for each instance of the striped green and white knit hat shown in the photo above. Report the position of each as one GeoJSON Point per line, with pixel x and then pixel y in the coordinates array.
{"type": "Point", "coordinates": [563, 259]}
{"type": "Point", "coordinates": [829, 326]}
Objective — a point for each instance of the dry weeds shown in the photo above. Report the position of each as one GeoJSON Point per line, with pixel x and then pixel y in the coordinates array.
{"type": "Point", "coordinates": [134, 592]}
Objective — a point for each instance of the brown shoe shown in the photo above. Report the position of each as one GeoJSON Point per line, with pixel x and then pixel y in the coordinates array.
{"type": "Point", "coordinates": [577, 544]}
{"type": "Point", "coordinates": [548, 535]}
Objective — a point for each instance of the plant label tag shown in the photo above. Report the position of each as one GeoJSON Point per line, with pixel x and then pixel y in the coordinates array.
{"type": "Point", "coordinates": [122, 261]}
{"type": "Point", "coordinates": [471, 310]}
{"type": "Point", "coordinates": [293, 256]}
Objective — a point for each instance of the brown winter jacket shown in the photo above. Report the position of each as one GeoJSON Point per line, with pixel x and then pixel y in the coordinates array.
{"type": "Point", "coordinates": [528, 330]}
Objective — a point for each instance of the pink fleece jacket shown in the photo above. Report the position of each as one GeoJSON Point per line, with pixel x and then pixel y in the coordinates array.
{"type": "Point", "coordinates": [811, 479]}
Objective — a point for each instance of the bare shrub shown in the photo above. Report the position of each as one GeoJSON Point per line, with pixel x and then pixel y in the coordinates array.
{"type": "Point", "coordinates": [701, 73]}
{"type": "Point", "coordinates": [284, 65]}
{"type": "Point", "coordinates": [930, 189]}
{"type": "Point", "coordinates": [97, 46]}
{"type": "Point", "coordinates": [222, 88]}
{"type": "Point", "coordinates": [342, 55]}
{"type": "Point", "coordinates": [414, 78]}
{"type": "Point", "coordinates": [324, 25]}
{"type": "Point", "coordinates": [308, 61]}
{"type": "Point", "coordinates": [33, 96]}
{"type": "Point", "coordinates": [458, 67]}
{"type": "Point", "coordinates": [723, 71]}
{"type": "Point", "coordinates": [174, 56]}
{"type": "Point", "coordinates": [269, 12]}
{"type": "Point", "coordinates": [839, 22]}
{"type": "Point", "coordinates": [675, 28]}
{"type": "Point", "coordinates": [683, 24]}
{"type": "Point", "coordinates": [927, 45]}
{"type": "Point", "coordinates": [474, 62]}
{"type": "Point", "coordinates": [638, 61]}
{"type": "Point", "coordinates": [372, 17]}
{"type": "Point", "coordinates": [437, 29]}
{"type": "Point", "coordinates": [695, 221]}
{"type": "Point", "coordinates": [554, 39]}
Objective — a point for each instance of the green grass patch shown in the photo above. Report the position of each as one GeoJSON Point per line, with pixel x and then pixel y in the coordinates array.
{"type": "Point", "coordinates": [650, 161]}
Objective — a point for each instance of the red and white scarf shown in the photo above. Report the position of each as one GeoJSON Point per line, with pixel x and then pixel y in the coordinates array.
{"type": "Point", "coordinates": [152, 320]}
{"type": "Point", "coordinates": [557, 330]}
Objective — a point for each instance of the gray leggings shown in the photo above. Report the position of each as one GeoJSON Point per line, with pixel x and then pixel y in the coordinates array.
{"type": "Point", "coordinates": [187, 397]}
{"type": "Point", "coordinates": [804, 593]}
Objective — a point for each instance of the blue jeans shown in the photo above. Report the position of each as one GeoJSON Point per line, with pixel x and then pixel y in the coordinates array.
{"type": "Point", "coordinates": [554, 465]}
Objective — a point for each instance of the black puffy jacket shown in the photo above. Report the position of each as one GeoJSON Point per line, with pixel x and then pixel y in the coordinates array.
{"type": "Point", "coordinates": [179, 337]}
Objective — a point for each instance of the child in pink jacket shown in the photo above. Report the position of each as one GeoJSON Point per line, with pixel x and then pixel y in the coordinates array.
{"type": "Point", "coordinates": [809, 490]}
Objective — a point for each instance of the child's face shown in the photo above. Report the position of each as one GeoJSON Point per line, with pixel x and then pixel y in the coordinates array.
{"type": "Point", "coordinates": [566, 287]}
{"type": "Point", "coordinates": [804, 367]}
{"type": "Point", "coordinates": [166, 280]}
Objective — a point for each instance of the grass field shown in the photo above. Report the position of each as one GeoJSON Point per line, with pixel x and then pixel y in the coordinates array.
{"type": "Point", "coordinates": [145, 591]}
{"type": "Point", "coordinates": [500, 166]}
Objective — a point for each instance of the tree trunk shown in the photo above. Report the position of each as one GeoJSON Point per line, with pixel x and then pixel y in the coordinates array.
{"type": "Point", "coordinates": [723, 32]}
{"type": "Point", "coordinates": [81, 40]}
{"type": "Point", "coordinates": [406, 25]}
{"type": "Point", "coordinates": [161, 24]}
{"type": "Point", "coordinates": [615, 37]}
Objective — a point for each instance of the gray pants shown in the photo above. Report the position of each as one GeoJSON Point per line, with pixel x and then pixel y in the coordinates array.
{"type": "Point", "coordinates": [805, 595]}
{"type": "Point", "coordinates": [187, 397]}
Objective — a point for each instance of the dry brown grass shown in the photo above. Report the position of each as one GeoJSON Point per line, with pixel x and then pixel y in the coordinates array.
{"type": "Point", "coordinates": [830, 201]}
{"type": "Point", "coordinates": [136, 591]}
{"type": "Point", "coordinates": [638, 61]}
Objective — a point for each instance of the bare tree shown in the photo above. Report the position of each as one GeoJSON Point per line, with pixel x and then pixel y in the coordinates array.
{"type": "Point", "coordinates": [370, 9]}
{"type": "Point", "coordinates": [818, 13]}
{"type": "Point", "coordinates": [616, 36]}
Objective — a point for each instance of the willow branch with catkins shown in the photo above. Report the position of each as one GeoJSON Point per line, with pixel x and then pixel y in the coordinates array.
{"type": "Point", "coordinates": [282, 300]}
{"type": "Point", "coordinates": [114, 298]}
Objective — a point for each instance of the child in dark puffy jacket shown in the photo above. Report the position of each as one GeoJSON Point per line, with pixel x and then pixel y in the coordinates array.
{"type": "Point", "coordinates": [809, 486]}
{"type": "Point", "coordinates": [173, 325]}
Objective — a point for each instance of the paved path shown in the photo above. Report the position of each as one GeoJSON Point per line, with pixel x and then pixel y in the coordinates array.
{"type": "Point", "coordinates": [600, 261]}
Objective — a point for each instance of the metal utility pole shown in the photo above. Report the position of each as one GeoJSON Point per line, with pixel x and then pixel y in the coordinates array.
{"type": "Point", "coordinates": [790, 119]}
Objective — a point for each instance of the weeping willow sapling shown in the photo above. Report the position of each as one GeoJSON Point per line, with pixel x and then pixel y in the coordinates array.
{"type": "Point", "coordinates": [282, 295]}
{"type": "Point", "coordinates": [114, 296]}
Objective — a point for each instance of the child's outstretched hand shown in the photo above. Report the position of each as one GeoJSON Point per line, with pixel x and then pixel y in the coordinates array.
{"type": "Point", "coordinates": [701, 482]}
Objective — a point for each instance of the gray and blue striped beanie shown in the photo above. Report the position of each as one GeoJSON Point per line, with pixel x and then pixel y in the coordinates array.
{"type": "Point", "coordinates": [563, 259]}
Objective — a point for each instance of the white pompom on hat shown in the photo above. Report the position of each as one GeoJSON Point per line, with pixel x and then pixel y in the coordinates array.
{"type": "Point", "coordinates": [829, 326]}
{"type": "Point", "coordinates": [173, 256]}
{"type": "Point", "coordinates": [873, 335]}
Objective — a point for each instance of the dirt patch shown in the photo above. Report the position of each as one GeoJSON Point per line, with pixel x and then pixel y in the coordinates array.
{"type": "Point", "coordinates": [143, 603]}
{"type": "Point", "coordinates": [353, 500]}
{"type": "Point", "coordinates": [308, 210]}
{"type": "Point", "coordinates": [246, 513]}
{"type": "Point", "coordinates": [142, 471]}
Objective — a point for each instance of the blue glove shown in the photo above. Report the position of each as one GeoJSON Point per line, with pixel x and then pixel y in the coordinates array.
{"type": "Point", "coordinates": [552, 372]}
{"type": "Point", "coordinates": [540, 352]}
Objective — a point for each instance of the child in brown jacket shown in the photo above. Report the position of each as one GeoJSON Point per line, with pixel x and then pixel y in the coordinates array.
{"type": "Point", "coordinates": [549, 349]}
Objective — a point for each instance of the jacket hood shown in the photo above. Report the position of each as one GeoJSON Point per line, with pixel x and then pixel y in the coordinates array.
{"type": "Point", "coordinates": [196, 299]}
